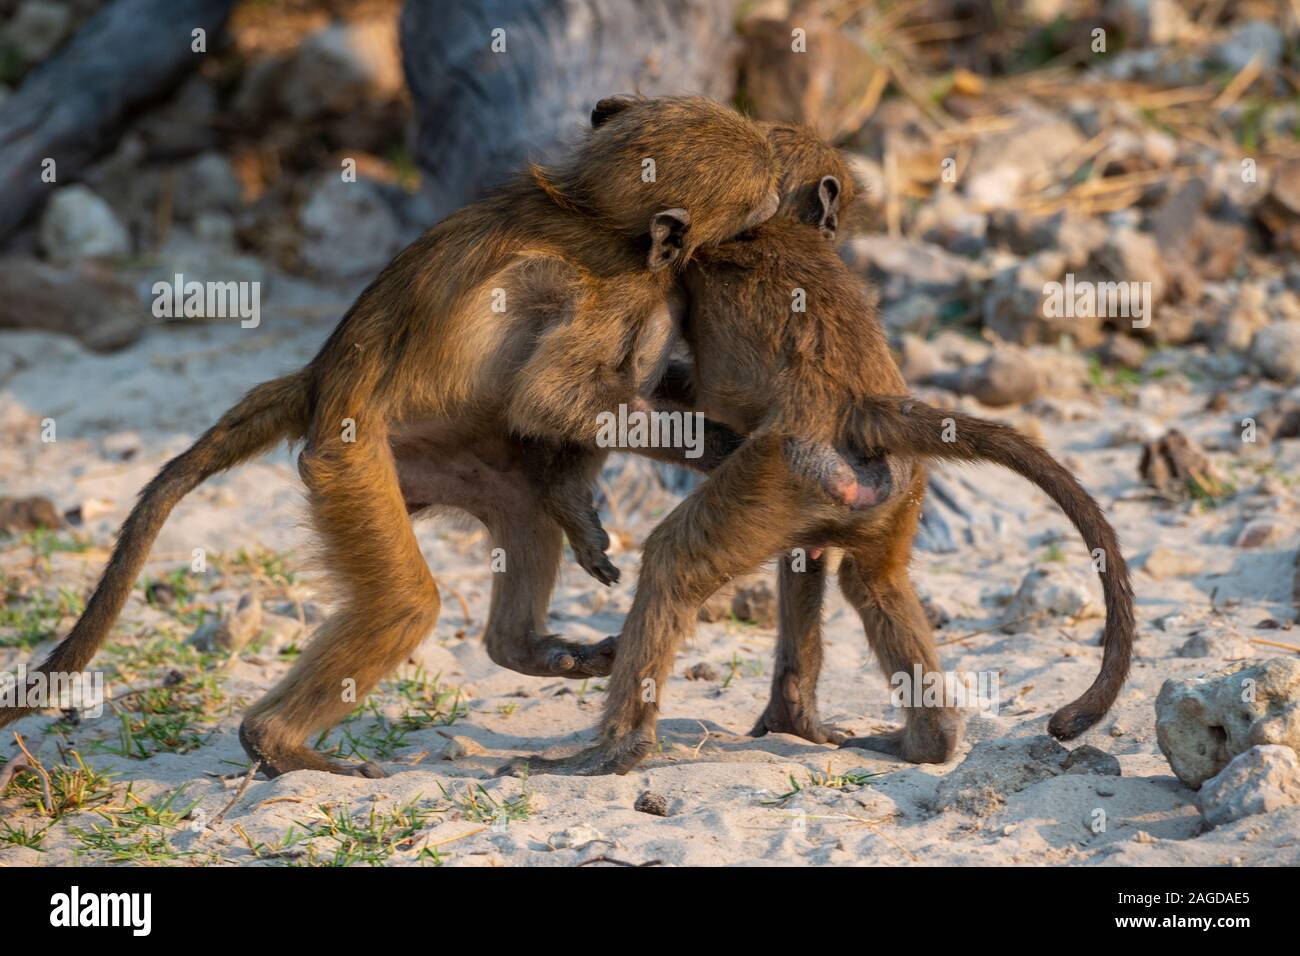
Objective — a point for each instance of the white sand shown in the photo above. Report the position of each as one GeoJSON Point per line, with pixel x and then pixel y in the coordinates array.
{"type": "Point", "coordinates": [721, 788]}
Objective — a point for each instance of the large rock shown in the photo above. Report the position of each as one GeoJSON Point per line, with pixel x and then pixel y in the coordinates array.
{"type": "Point", "coordinates": [77, 223]}
{"type": "Point", "coordinates": [482, 114]}
{"type": "Point", "coordinates": [1203, 722]}
{"type": "Point", "coordinates": [1260, 780]}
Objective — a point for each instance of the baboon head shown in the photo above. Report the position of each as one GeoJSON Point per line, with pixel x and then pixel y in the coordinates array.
{"type": "Point", "coordinates": [817, 185]}
{"type": "Point", "coordinates": [685, 171]}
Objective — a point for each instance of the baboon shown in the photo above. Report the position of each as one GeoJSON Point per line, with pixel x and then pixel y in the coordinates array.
{"type": "Point", "coordinates": [823, 404]}
{"type": "Point", "coordinates": [489, 344]}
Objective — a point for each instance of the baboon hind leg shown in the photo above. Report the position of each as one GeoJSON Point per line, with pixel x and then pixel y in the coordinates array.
{"type": "Point", "coordinates": [900, 636]}
{"type": "Point", "coordinates": [388, 603]}
{"type": "Point", "coordinates": [792, 707]}
{"type": "Point", "coordinates": [528, 544]}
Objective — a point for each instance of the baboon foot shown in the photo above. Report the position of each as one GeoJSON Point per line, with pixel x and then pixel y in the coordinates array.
{"type": "Point", "coordinates": [553, 656]}
{"type": "Point", "coordinates": [924, 740]}
{"type": "Point", "coordinates": [788, 712]}
{"type": "Point", "coordinates": [277, 759]}
{"type": "Point", "coordinates": [615, 756]}
{"type": "Point", "coordinates": [566, 659]}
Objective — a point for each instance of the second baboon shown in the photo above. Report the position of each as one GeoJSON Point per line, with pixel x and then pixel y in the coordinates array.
{"type": "Point", "coordinates": [820, 389]}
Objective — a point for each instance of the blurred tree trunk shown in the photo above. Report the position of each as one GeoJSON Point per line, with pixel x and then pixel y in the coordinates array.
{"type": "Point", "coordinates": [482, 114]}
{"type": "Point", "coordinates": [69, 108]}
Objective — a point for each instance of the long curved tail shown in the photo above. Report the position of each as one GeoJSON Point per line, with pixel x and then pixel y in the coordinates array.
{"type": "Point", "coordinates": [271, 412]}
{"type": "Point", "coordinates": [910, 428]}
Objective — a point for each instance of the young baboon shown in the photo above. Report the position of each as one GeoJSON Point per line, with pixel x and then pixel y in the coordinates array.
{"type": "Point", "coordinates": [505, 329]}
{"type": "Point", "coordinates": [819, 389]}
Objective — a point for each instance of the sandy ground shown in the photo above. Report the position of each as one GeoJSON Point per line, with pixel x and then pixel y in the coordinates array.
{"type": "Point", "coordinates": [730, 799]}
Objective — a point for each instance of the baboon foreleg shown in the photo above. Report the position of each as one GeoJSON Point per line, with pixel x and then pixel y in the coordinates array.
{"type": "Point", "coordinates": [388, 603]}
{"type": "Point", "coordinates": [792, 708]}
{"type": "Point", "coordinates": [900, 636]}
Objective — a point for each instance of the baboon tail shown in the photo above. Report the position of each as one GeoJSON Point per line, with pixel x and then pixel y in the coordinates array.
{"type": "Point", "coordinates": [271, 412]}
{"type": "Point", "coordinates": [907, 427]}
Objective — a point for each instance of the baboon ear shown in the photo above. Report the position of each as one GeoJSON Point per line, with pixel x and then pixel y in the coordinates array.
{"type": "Point", "coordinates": [610, 106]}
{"type": "Point", "coordinates": [667, 238]}
{"type": "Point", "coordinates": [828, 198]}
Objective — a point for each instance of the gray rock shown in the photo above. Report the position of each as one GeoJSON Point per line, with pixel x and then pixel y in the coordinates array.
{"type": "Point", "coordinates": [1276, 350]}
{"type": "Point", "coordinates": [1202, 723]}
{"type": "Point", "coordinates": [1048, 592]}
{"type": "Point", "coordinates": [701, 671]}
{"type": "Point", "coordinates": [84, 300]}
{"type": "Point", "coordinates": [1007, 377]}
{"type": "Point", "coordinates": [906, 266]}
{"type": "Point", "coordinates": [1005, 163]}
{"type": "Point", "coordinates": [1257, 38]}
{"type": "Point", "coordinates": [1224, 645]}
{"type": "Point", "coordinates": [948, 221]}
{"type": "Point", "coordinates": [206, 183]}
{"type": "Point", "coordinates": [1123, 351]}
{"type": "Point", "coordinates": [232, 633]}
{"type": "Point", "coordinates": [348, 229]}
{"type": "Point", "coordinates": [1162, 563]}
{"type": "Point", "coordinates": [77, 223]}
{"type": "Point", "coordinates": [655, 804]}
{"type": "Point", "coordinates": [1019, 308]}
{"type": "Point", "coordinates": [755, 603]}
{"type": "Point", "coordinates": [1261, 780]}
{"type": "Point", "coordinates": [1090, 759]}
{"type": "Point", "coordinates": [995, 769]}
{"type": "Point", "coordinates": [1132, 256]}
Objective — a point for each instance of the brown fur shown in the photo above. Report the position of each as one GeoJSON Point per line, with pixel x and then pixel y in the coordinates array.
{"type": "Point", "coordinates": [436, 386]}
{"type": "Point", "coordinates": [826, 377]}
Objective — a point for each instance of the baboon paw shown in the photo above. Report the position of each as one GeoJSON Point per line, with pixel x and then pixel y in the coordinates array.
{"type": "Point", "coordinates": [596, 563]}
